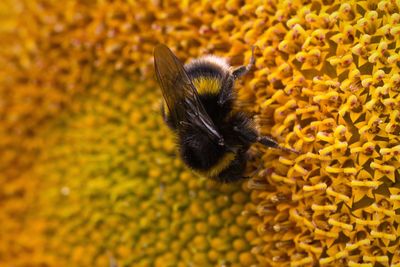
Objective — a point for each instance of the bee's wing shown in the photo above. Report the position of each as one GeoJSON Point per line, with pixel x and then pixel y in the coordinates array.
{"type": "Point", "coordinates": [180, 94]}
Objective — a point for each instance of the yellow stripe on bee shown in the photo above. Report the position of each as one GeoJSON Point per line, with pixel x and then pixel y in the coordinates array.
{"type": "Point", "coordinates": [222, 164]}
{"type": "Point", "coordinates": [207, 85]}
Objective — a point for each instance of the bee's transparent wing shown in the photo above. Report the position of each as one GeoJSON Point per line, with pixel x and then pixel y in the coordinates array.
{"type": "Point", "coordinates": [180, 94]}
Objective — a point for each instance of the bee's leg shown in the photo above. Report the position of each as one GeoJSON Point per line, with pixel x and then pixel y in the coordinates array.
{"type": "Point", "coordinates": [243, 70]}
{"type": "Point", "coordinates": [254, 173]}
{"type": "Point", "coordinates": [253, 153]}
{"type": "Point", "coordinates": [249, 134]}
{"type": "Point", "coordinates": [269, 142]}
{"type": "Point", "coordinates": [246, 134]}
{"type": "Point", "coordinates": [226, 94]}
{"type": "Point", "coordinates": [243, 129]}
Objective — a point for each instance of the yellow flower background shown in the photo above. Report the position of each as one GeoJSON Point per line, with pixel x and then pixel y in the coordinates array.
{"type": "Point", "coordinates": [89, 174]}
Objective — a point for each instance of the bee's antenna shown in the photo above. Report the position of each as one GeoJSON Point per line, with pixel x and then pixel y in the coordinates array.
{"type": "Point", "coordinates": [253, 154]}
{"type": "Point", "coordinates": [287, 149]}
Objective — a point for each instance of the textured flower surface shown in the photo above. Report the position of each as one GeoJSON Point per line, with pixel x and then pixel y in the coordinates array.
{"type": "Point", "coordinates": [89, 174]}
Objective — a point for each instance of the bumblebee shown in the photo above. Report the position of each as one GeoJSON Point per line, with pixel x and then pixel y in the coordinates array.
{"type": "Point", "coordinates": [212, 136]}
